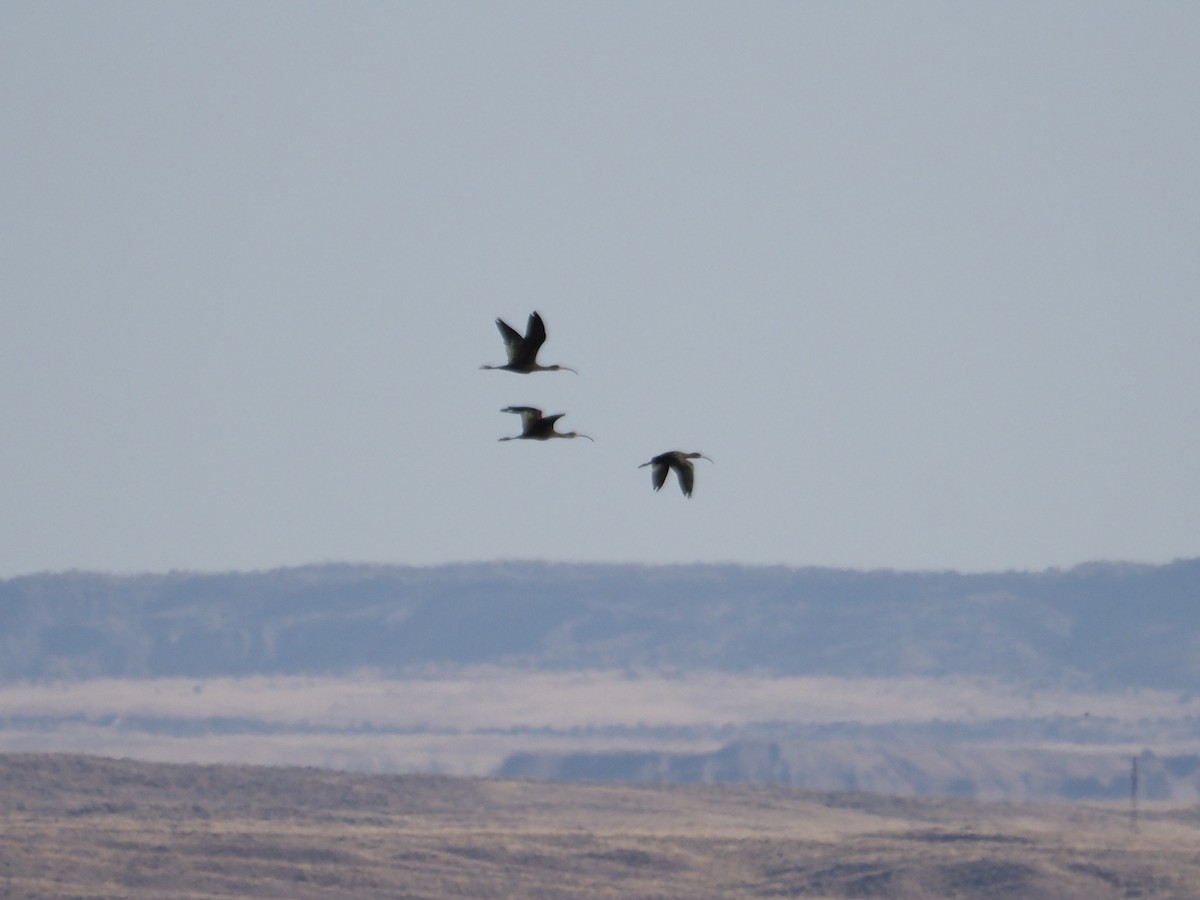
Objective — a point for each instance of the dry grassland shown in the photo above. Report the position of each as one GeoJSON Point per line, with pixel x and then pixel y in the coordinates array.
{"type": "Point", "coordinates": [87, 827]}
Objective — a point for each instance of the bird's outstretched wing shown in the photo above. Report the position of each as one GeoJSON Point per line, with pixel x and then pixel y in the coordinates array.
{"type": "Point", "coordinates": [513, 342]}
{"type": "Point", "coordinates": [535, 333]}
{"type": "Point", "coordinates": [687, 474]}
{"type": "Point", "coordinates": [659, 474]}
{"type": "Point", "coordinates": [523, 351]}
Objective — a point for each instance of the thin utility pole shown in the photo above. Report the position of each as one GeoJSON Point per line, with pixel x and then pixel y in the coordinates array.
{"type": "Point", "coordinates": [1133, 780]}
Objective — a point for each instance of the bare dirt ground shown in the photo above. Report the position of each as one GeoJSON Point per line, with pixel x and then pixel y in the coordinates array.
{"type": "Point", "coordinates": [88, 827]}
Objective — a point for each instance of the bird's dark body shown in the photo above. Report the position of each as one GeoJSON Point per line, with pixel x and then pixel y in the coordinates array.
{"type": "Point", "coordinates": [681, 463]}
{"type": "Point", "coordinates": [536, 427]}
{"type": "Point", "coordinates": [522, 351]}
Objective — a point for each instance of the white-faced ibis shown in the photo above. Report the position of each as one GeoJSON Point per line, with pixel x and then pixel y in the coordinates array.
{"type": "Point", "coordinates": [681, 463]}
{"type": "Point", "coordinates": [536, 427]}
{"type": "Point", "coordinates": [523, 351]}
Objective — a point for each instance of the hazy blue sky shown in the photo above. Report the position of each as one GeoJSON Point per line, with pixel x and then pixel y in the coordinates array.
{"type": "Point", "coordinates": [921, 277]}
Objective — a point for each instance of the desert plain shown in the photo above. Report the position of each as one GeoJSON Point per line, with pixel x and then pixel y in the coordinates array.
{"type": "Point", "coordinates": [79, 826]}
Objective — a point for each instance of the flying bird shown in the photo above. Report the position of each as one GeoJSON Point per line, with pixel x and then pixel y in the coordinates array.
{"type": "Point", "coordinates": [536, 427]}
{"type": "Point", "coordinates": [681, 463]}
{"type": "Point", "coordinates": [523, 351]}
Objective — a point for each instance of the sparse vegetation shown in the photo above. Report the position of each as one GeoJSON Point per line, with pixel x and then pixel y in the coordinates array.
{"type": "Point", "coordinates": [78, 826]}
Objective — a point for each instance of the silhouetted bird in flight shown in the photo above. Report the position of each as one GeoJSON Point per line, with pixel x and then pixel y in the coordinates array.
{"type": "Point", "coordinates": [536, 427]}
{"type": "Point", "coordinates": [523, 351]}
{"type": "Point", "coordinates": [681, 463]}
